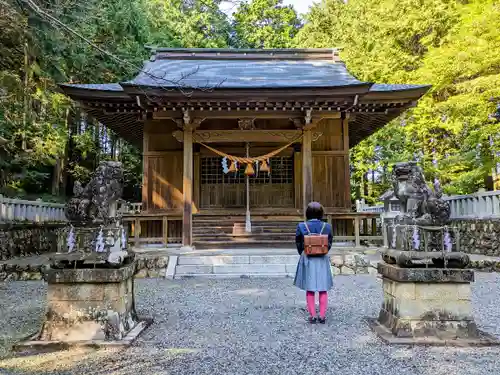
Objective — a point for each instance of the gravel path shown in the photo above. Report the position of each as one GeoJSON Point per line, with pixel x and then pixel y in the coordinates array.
{"type": "Point", "coordinates": [249, 326]}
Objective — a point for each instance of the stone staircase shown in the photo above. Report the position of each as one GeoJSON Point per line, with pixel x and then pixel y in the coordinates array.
{"type": "Point", "coordinates": [236, 266]}
{"type": "Point", "coordinates": [229, 232]}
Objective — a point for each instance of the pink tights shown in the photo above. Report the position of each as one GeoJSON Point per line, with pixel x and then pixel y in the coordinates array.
{"type": "Point", "coordinates": [323, 300]}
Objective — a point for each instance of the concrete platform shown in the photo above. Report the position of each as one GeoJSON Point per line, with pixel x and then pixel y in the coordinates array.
{"type": "Point", "coordinates": [484, 339]}
{"type": "Point", "coordinates": [34, 345]}
{"type": "Point", "coordinates": [427, 306]}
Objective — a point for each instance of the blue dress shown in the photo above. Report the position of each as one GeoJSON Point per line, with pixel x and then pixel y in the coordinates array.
{"type": "Point", "coordinates": [313, 274]}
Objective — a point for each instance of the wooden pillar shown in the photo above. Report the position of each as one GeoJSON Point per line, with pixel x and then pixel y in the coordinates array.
{"type": "Point", "coordinates": [187, 187]}
{"type": "Point", "coordinates": [165, 230]}
{"type": "Point", "coordinates": [145, 183]}
{"type": "Point", "coordinates": [357, 237]}
{"type": "Point", "coordinates": [137, 231]}
{"type": "Point", "coordinates": [307, 188]}
{"type": "Point", "coordinates": [347, 168]}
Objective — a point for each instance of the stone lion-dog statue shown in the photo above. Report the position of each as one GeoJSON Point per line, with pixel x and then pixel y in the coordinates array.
{"type": "Point", "coordinates": [97, 200]}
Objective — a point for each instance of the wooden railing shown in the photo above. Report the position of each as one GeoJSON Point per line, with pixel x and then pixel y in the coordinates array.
{"type": "Point", "coordinates": [153, 228]}
{"type": "Point", "coordinates": [163, 228]}
{"type": "Point", "coordinates": [17, 210]}
{"type": "Point", "coordinates": [356, 227]}
{"type": "Point", "coordinates": [129, 208]}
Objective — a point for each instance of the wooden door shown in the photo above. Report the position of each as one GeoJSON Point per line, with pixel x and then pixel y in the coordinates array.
{"type": "Point", "coordinates": [267, 190]}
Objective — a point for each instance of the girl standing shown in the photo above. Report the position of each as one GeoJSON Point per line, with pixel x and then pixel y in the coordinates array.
{"type": "Point", "coordinates": [314, 273]}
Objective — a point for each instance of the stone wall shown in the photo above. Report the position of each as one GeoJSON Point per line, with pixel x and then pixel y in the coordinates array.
{"type": "Point", "coordinates": [147, 266]}
{"type": "Point", "coordinates": [21, 240]}
{"type": "Point", "coordinates": [479, 236]}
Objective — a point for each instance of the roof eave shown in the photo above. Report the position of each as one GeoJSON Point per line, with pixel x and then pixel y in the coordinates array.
{"type": "Point", "coordinates": [81, 93]}
{"type": "Point", "coordinates": [134, 89]}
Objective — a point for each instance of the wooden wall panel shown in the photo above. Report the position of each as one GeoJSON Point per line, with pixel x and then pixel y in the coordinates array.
{"type": "Point", "coordinates": [196, 181]}
{"type": "Point", "coordinates": [159, 134]}
{"type": "Point", "coordinates": [164, 181]}
{"type": "Point", "coordinates": [329, 180]}
{"type": "Point", "coordinates": [297, 179]}
{"type": "Point", "coordinates": [332, 138]}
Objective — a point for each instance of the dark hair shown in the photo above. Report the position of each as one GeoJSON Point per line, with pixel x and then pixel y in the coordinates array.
{"type": "Point", "coordinates": [314, 211]}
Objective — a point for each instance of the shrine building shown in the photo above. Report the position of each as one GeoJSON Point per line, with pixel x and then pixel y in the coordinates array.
{"type": "Point", "coordinates": [236, 140]}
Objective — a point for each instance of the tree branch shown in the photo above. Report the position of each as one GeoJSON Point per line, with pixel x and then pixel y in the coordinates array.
{"type": "Point", "coordinates": [54, 21]}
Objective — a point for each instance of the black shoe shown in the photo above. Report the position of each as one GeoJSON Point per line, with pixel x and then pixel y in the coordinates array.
{"type": "Point", "coordinates": [312, 320]}
{"type": "Point", "coordinates": [322, 320]}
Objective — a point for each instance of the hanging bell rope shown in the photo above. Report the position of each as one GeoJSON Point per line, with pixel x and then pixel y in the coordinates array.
{"type": "Point", "coordinates": [249, 160]}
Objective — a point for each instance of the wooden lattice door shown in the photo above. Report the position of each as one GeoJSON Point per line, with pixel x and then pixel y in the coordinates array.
{"type": "Point", "coordinates": [219, 190]}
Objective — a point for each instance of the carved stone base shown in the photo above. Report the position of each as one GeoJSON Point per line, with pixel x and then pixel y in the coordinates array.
{"type": "Point", "coordinates": [437, 259]}
{"type": "Point", "coordinates": [114, 252]}
{"type": "Point", "coordinates": [89, 306]}
{"type": "Point", "coordinates": [427, 306]}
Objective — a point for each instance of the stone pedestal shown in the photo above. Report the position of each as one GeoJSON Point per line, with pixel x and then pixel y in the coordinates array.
{"type": "Point", "coordinates": [90, 307]}
{"type": "Point", "coordinates": [427, 306]}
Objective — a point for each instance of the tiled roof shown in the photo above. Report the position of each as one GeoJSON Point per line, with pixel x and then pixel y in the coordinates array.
{"type": "Point", "coordinates": [383, 87]}
{"type": "Point", "coordinates": [245, 74]}
{"type": "Point", "coordinates": [305, 71]}
{"type": "Point", "coordinates": [95, 86]}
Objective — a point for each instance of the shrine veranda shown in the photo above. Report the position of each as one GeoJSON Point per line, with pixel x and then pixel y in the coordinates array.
{"type": "Point", "coordinates": [193, 112]}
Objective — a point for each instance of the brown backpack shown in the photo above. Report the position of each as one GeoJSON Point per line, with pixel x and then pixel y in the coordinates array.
{"type": "Point", "coordinates": [315, 244]}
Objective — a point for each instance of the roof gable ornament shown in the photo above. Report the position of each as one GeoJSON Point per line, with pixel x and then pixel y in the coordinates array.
{"type": "Point", "coordinates": [304, 122]}
{"type": "Point", "coordinates": [187, 122]}
{"type": "Point", "coordinates": [186, 116]}
{"type": "Point", "coordinates": [308, 117]}
{"type": "Point", "coordinates": [246, 124]}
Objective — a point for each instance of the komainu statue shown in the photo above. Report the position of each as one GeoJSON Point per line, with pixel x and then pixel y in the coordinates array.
{"type": "Point", "coordinates": [421, 231]}
{"type": "Point", "coordinates": [95, 232]}
{"type": "Point", "coordinates": [419, 202]}
{"type": "Point", "coordinates": [96, 202]}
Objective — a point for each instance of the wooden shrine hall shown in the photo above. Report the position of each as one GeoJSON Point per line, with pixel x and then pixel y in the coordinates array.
{"type": "Point", "coordinates": [235, 143]}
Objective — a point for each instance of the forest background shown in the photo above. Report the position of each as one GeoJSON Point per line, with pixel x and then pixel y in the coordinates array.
{"type": "Point", "coordinates": [454, 131]}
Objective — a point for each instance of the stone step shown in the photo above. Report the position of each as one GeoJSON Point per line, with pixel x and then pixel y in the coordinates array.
{"type": "Point", "coordinates": [255, 230]}
{"type": "Point", "coordinates": [227, 266]}
{"type": "Point", "coordinates": [243, 243]}
{"type": "Point", "coordinates": [241, 218]}
{"type": "Point", "coordinates": [243, 236]}
{"type": "Point", "coordinates": [227, 224]}
{"type": "Point", "coordinates": [235, 276]}
{"type": "Point", "coordinates": [236, 270]}
{"type": "Point", "coordinates": [190, 260]}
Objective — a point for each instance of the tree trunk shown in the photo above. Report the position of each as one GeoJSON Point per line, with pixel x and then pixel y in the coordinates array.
{"type": "Point", "coordinates": [366, 191]}
{"type": "Point", "coordinates": [59, 177]}
{"type": "Point", "coordinates": [26, 98]}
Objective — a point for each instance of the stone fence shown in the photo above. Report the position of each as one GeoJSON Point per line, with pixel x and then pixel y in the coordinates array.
{"type": "Point", "coordinates": [29, 227]}
{"type": "Point", "coordinates": [479, 235]}
{"type": "Point", "coordinates": [28, 239]}
{"type": "Point", "coordinates": [17, 210]}
{"type": "Point", "coordinates": [477, 217]}
{"type": "Point", "coordinates": [478, 205]}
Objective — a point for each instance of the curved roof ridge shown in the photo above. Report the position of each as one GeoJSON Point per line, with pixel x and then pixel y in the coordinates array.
{"type": "Point", "coordinates": [159, 53]}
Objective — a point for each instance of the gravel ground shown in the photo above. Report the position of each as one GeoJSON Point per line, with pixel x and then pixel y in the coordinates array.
{"type": "Point", "coordinates": [250, 326]}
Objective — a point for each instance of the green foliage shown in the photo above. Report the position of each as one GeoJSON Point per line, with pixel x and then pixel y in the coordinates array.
{"type": "Point", "coordinates": [44, 129]}
{"type": "Point", "coordinates": [265, 24]}
{"type": "Point", "coordinates": [451, 45]}
{"type": "Point", "coordinates": [194, 24]}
